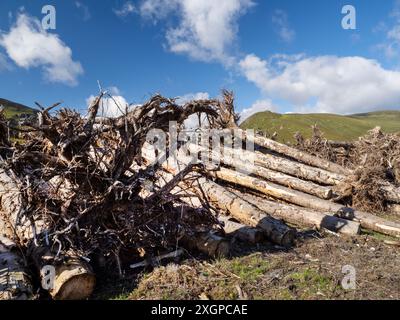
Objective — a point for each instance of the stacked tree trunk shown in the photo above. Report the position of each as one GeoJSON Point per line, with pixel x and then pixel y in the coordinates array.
{"type": "Point", "coordinates": [82, 189]}
{"type": "Point", "coordinates": [279, 185]}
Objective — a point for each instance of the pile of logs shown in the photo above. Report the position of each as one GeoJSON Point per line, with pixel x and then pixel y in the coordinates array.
{"type": "Point", "coordinates": [84, 194]}
{"type": "Point", "coordinates": [282, 185]}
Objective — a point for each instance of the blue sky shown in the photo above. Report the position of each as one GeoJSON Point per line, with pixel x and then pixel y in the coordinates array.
{"type": "Point", "coordinates": [285, 56]}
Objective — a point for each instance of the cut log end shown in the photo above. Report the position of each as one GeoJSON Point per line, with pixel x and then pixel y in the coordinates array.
{"type": "Point", "coordinates": [74, 281]}
{"type": "Point", "coordinates": [288, 238]}
{"type": "Point", "coordinates": [74, 286]}
{"type": "Point", "coordinates": [210, 244]}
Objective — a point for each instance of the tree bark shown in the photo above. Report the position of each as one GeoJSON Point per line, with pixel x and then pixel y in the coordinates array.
{"type": "Point", "coordinates": [296, 154]}
{"type": "Point", "coordinates": [367, 220]}
{"type": "Point", "coordinates": [246, 213]}
{"type": "Point", "coordinates": [301, 216]}
{"type": "Point", "coordinates": [209, 243]}
{"type": "Point", "coordinates": [12, 205]}
{"type": "Point", "coordinates": [73, 279]}
{"type": "Point", "coordinates": [229, 158]}
{"type": "Point", "coordinates": [241, 231]}
{"type": "Point", "coordinates": [15, 283]}
{"type": "Point", "coordinates": [298, 169]}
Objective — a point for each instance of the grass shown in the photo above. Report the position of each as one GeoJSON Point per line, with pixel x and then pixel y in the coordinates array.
{"type": "Point", "coordinates": [312, 270]}
{"type": "Point", "coordinates": [13, 110]}
{"type": "Point", "coordinates": [334, 127]}
{"type": "Point", "coordinates": [254, 275]}
{"type": "Point", "coordinates": [309, 283]}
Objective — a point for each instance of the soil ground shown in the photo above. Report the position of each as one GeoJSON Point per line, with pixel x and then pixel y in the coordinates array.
{"type": "Point", "coordinates": [312, 270]}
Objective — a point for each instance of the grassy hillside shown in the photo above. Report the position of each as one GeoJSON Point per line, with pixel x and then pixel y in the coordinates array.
{"type": "Point", "coordinates": [335, 127]}
{"type": "Point", "coordinates": [12, 109]}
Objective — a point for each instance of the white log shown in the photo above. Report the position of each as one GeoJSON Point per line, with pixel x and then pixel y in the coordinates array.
{"type": "Point", "coordinates": [234, 158]}
{"type": "Point", "coordinates": [302, 216]}
{"type": "Point", "coordinates": [367, 220]}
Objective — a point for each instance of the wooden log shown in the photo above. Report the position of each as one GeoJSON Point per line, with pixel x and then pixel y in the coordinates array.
{"type": "Point", "coordinates": [289, 167]}
{"type": "Point", "coordinates": [73, 278]}
{"type": "Point", "coordinates": [245, 212]}
{"type": "Point", "coordinates": [229, 158]}
{"type": "Point", "coordinates": [209, 243]}
{"type": "Point", "coordinates": [241, 210]}
{"type": "Point", "coordinates": [240, 231]}
{"type": "Point", "coordinates": [297, 169]}
{"type": "Point", "coordinates": [12, 205]}
{"type": "Point", "coordinates": [294, 153]}
{"type": "Point", "coordinates": [302, 216]}
{"type": "Point", "coordinates": [15, 283]}
{"type": "Point", "coordinates": [367, 220]}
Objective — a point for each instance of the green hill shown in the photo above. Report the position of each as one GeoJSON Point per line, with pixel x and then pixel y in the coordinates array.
{"type": "Point", "coordinates": [334, 127]}
{"type": "Point", "coordinates": [13, 109]}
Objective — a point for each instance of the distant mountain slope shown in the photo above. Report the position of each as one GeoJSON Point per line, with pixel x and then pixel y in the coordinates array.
{"type": "Point", "coordinates": [13, 109]}
{"type": "Point", "coordinates": [334, 127]}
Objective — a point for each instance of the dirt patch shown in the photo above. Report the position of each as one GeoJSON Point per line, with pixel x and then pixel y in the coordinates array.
{"type": "Point", "coordinates": [311, 271]}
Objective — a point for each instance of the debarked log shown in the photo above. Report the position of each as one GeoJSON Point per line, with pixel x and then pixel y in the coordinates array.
{"type": "Point", "coordinates": [208, 243]}
{"type": "Point", "coordinates": [73, 279]}
{"type": "Point", "coordinates": [303, 217]}
{"type": "Point", "coordinates": [68, 279]}
{"type": "Point", "coordinates": [13, 223]}
{"type": "Point", "coordinates": [245, 212]}
{"type": "Point", "coordinates": [234, 158]}
{"type": "Point", "coordinates": [241, 231]}
{"type": "Point", "coordinates": [241, 210]}
{"type": "Point", "coordinates": [367, 220]}
{"type": "Point", "coordinates": [295, 153]}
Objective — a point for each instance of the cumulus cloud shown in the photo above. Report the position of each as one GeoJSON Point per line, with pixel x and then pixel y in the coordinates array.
{"type": "Point", "coordinates": [280, 20]}
{"type": "Point", "coordinates": [326, 83]}
{"type": "Point", "coordinates": [28, 45]}
{"type": "Point", "coordinates": [86, 15]}
{"type": "Point", "coordinates": [127, 9]}
{"type": "Point", "coordinates": [192, 96]}
{"type": "Point", "coordinates": [111, 107]}
{"type": "Point", "coordinates": [258, 106]}
{"type": "Point", "coordinates": [206, 30]}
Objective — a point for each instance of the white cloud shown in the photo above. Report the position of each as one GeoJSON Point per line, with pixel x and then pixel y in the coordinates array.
{"type": "Point", "coordinates": [28, 45]}
{"type": "Point", "coordinates": [281, 22]}
{"type": "Point", "coordinates": [192, 96]}
{"type": "Point", "coordinates": [207, 29]}
{"type": "Point", "coordinates": [258, 106]}
{"type": "Point", "coordinates": [326, 83]}
{"type": "Point", "coordinates": [127, 8]}
{"type": "Point", "coordinates": [158, 9]}
{"type": "Point", "coordinates": [85, 10]}
{"type": "Point", "coordinates": [111, 107]}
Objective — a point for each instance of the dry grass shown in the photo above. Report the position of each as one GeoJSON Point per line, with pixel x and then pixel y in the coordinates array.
{"type": "Point", "coordinates": [310, 271]}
